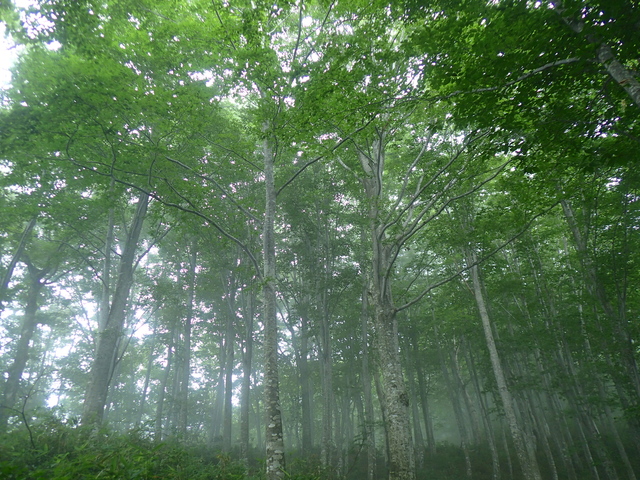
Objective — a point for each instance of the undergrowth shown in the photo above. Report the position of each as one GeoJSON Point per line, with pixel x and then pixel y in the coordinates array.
{"type": "Point", "coordinates": [56, 451]}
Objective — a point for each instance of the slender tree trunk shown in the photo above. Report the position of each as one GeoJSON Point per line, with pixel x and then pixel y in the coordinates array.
{"type": "Point", "coordinates": [415, 414]}
{"type": "Point", "coordinates": [454, 396]}
{"type": "Point", "coordinates": [178, 356]}
{"type": "Point", "coordinates": [101, 369]}
{"type": "Point", "coordinates": [258, 417]}
{"type": "Point", "coordinates": [185, 374]}
{"type": "Point", "coordinates": [228, 392]}
{"type": "Point", "coordinates": [162, 390]}
{"type": "Point", "coordinates": [275, 462]}
{"type": "Point", "coordinates": [147, 379]}
{"type": "Point", "coordinates": [105, 296]}
{"type": "Point", "coordinates": [507, 450]}
{"type": "Point", "coordinates": [461, 390]}
{"type": "Point", "coordinates": [305, 388]}
{"type": "Point", "coordinates": [6, 278]}
{"type": "Point", "coordinates": [327, 445]}
{"type": "Point", "coordinates": [230, 285]}
{"type": "Point", "coordinates": [595, 286]}
{"type": "Point", "coordinates": [486, 417]}
{"type": "Point", "coordinates": [424, 403]}
{"type": "Point", "coordinates": [218, 402]}
{"type": "Point", "coordinates": [524, 446]}
{"type": "Point", "coordinates": [28, 327]}
{"type": "Point", "coordinates": [247, 359]}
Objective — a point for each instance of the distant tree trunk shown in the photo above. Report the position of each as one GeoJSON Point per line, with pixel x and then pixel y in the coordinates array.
{"type": "Point", "coordinates": [300, 344]}
{"type": "Point", "coordinates": [524, 446]}
{"type": "Point", "coordinates": [101, 369]}
{"type": "Point", "coordinates": [185, 379]}
{"type": "Point", "coordinates": [424, 404]}
{"type": "Point", "coordinates": [247, 359]}
{"type": "Point", "coordinates": [147, 379]}
{"type": "Point", "coordinates": [6, 278]}
{"type": "Point", "coordinates": [174, 396]}
{"type": "Point", "coordinates": [485, 414]}
{"type": "Point", "coordinates": [159, 419]}
{"type": "Point", "coordinates": [454, 396]}
{"type": "Point", "coordinates": [258, 417]}
{"type": "Point", "coordinates": [229, 341]}
{"type": "Point", "coordinates": [415, 415]}
{"type": "Point", "coordinates": [27, 329]}
{"type": "Point", "coordinates": [218, 401]}
{"type": "Point", "coordinates": [305, 388]}
{"type": "Point", "coordinates": [461, 388]}
{"type": "Point", "coordinates": [616, 316]}
{"type": "Point", "coordinates": [327, 447]}
{"type": "Point", "coordinates": [275, 462]}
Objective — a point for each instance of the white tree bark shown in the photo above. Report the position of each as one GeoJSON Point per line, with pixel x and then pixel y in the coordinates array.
{"type": "Point", "coordinates": [275, 461]}
{"type": "Point", "coordinates": [101, 369]}
{"type": "Point", "coordinates": [395, 398]}
{"type": "Point", "coordinates": [524, 445]}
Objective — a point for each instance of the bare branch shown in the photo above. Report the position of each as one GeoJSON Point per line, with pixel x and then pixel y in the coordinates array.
{"type": "Point", "coordinates": [218, 186]}
{"type": "Point", "coordinates": [480, 261]}
{"type": "Point", "coordinates": [320, 157]}
{"type": "Point", "coordinates": [512, 82]}
{"type": "Point", "coordinates": [191, 209]}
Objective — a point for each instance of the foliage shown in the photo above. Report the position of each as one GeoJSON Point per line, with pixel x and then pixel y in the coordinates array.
{"type": "Point", "coordinates": [405, 133]}
{"type": "Point", "coordinates": [65, 452]}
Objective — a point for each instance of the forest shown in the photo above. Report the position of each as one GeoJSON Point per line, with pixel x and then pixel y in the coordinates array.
{"type": "Point", "coordinates": [320, 240]}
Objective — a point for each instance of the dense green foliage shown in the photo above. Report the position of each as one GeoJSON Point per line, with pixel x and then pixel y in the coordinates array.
{"type": "Point", "coordinates": [441, 281]}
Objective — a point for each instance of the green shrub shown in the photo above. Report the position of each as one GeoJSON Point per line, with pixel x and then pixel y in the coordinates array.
{"type": "Point", "coordinates": [67, 452]}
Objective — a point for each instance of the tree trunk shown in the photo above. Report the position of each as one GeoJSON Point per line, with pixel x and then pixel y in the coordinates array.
{"type": "Point", "coordinates": [101, 369]}
{"type": "Point", "coordinates": [394, 391]}
{"type": "Point", "coordinates": [228, 383]}
{"type": "Point", "coordinates": [6, 279]}
{"type": "Point", "coordinates": [27, 329]}
{"type": "Point", "coordinates": [424, 404]}
{"type": "Point", "coordinates": [595, 286]}
{"type": "Point", "coordinates": [162, 390]}
{"type": "Point", "coordinates": [454, 396]}
{"type": "Point", "coordinates": [415, 414]}
{"type": "Point", "coordinates": [394, 396]}
{"type": "Point", "coordinates": [486, 417]}
{"type": "Point", "coordinates": [105, 295]}
{"type": "Point", "coordinates": [218, 402]}
{"type": "Point", "coordinates": [369, 431]}
{"type": "Point", "coordinates": [604, 53]}
{"type": "Point", "coordinates": [185, 379]}
{"type": "Point", "coordinates": [147, 379]}
{"type": "Point", "coordinates": [327, 446]}
{"type": "Point", "coordinates": [305, 388]}
{"type": "Point", "coordinates": [524, 446]}
{"type": "Point", "coordinates": [275, 461]}
{"type": "Point", "coordinates": [247, 359]}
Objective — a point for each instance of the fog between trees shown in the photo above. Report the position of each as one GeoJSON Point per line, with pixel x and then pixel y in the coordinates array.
{"type": "Point", "coordinates": [354, 240]}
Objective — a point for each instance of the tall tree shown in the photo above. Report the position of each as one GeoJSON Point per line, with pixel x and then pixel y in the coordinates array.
{"type": "Point", "coordinates": [108, 338]}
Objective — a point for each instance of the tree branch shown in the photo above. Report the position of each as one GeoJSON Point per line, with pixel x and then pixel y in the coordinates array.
{"type": "Point", "coordinates": [320, 157]}
{"type": "Point", "coordinates": [478, 262]}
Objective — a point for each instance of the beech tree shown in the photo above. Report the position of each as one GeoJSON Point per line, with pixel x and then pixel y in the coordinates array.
{"type": "Point", "coordinates": [381, 236]}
